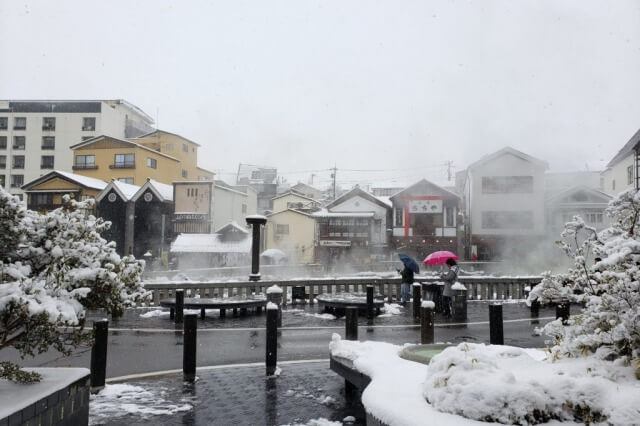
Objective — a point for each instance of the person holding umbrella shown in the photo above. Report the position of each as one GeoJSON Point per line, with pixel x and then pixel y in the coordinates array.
{"type": "Point", "coordinates": [410, 267]}
{"type": "Point", "coordinates": [449, 279]}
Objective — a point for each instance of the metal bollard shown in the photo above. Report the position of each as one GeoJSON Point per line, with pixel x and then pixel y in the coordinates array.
{"type": "Point", "coordinates": [271, 356]}
{"type": "Point", "coordinates": [535, 308]}
{"type": "Point", "coordinates": [99, 354]}
{"type": "Point", "coordinates": [496, 332]}
{"type": "Point", "coordinates": [417, 295]}
{"type": "Point", "coordinates": [427, 314]}
{"type": "Point", "coordinates": [179, 315]}
{"type": "Point", "coordinates": [351, 323]}
{"type": "Point", "coordinates": [189, 347]}
{"type": "Point", "coordinates": [562, 311]}
{"type": "Point", "coordinates": [369, 305]}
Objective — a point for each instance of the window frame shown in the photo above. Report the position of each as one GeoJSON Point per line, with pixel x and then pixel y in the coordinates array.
{"type": "Point", "coordinates": [84, 165]}
{"type": "Point", "coordinates": [13, 184]}
{"type": "Point", "coordinates": [18, 127]}
{"type": "Point", "coordinates": [24, 142]}
{"type": "Point", "coordinates": [152, 163]}
{"type": "Point", "coordinates": [4, 123]}
{"type": "Point", "coordinates": [49, 127]}
{"type": "Point", "coordinates": [43, 166]}
{"type": "Point", "coordinates": [18, 166]}
{"type": "Point", "coordinates": [3, 141]}
{"type": "Point", "coordinates": [45, 147]}
{"type": "Point", "coordinates": [86, 128]}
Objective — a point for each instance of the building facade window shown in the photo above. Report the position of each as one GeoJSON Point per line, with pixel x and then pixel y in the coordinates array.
{"type": "Point", "coordinates": [46, 162]}
{"type": "Point", "coordinates": [629, 175]}
{"type": "Point", "coordinates": [507, 220]}
{"type": "Point", "coordinates": [507, 184]}
{"type": "Point", "coordinates": [282, 229]}
{"type": "Point", "coordinates": [19, 142]}
{"type": "Point", "coordinates": [48, 123]}
{"type": "Point", "coordinates": [128, 180]}
{"type": "Point", "coordinates": [48, 142]}
{"type": "Point", "coordinates": [185, 147]}
{"type": "Point", "coordinates": [3, 161]}
{"type": "Point", "coordinates": [20, 123]}
{"type": "Point", "coordinates": [18, 162]}
{"type": "Point", "coordinates": [449, 216]}
{"type": "Point", "coordinates": [124, 161]}
{"type": "Point", "coordinates": [184, 173]}
{"type": "Point", "coordinates": [398, 213]}
{"type": "Point", "coordinates": [17, 181]}
{"type": "Point", "coordinates": [85, 162]}
{"type": "Point", "coordinates": [88, 124]}
{"type": "Point", "coordinates": [192, 192]}
{"type": "Point", "coordinates": [152, 163]}
{"type": "Point", "coordinates": [41, 200]}
{"type": "Point", "coordinates": [168, 147]}
{"type": "Point", "coordinates": [3, 142]}
{"type": "Point", "coordinates": [4, 123]}
{"type": "Point", "coordinates": [2, 181]}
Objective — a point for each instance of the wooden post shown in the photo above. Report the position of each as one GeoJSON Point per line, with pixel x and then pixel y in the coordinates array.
{"type": "Point", "coordinates": [460, 304]}
{"type": "Point", "coordinates": [351, 323]}
{"type": "Point", "coordinates": [189, 347]}
{"type": "Point", "coordinates": [535, 310]}
{"type": "Point", "coordinates": [417, 295]}
{"type": "Point", "coordinates": [427, 314]}
{"type": "Point", "coordinates": [99, 354]}
{"type": "Point", "coordinates": [179, 315]}
{"type": "Point", "coordinates": [496, 332]}
{"type": "Point", "coordinates": [369, 305]}
{"type": "Point", "coordinates": [271, 356]}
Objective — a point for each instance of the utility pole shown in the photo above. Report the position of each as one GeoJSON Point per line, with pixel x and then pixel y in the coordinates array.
{"type": "Point", "coordinates": [449, 165]}
{"type": "Point", "coordinates": [333, 175]}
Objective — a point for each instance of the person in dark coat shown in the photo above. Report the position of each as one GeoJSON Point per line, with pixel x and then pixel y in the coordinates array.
{"type": "Point", "coordinates": [407, 281]}
{"type": "Point", "coordinates": [449, 279]}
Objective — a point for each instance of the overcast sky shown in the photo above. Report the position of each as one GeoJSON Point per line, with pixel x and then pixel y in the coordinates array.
{"type": "Point", "coordinates": [398, 86]}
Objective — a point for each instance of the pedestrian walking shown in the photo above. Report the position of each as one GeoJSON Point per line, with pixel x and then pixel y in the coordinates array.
{"type": "Point", "coordinates": [407, 281]}
{"type": "Point", "coordinates": [449, 279]}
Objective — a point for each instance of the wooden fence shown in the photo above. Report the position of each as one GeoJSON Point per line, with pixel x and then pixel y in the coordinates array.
{"type": "Point", "coordinates": [478, 287]}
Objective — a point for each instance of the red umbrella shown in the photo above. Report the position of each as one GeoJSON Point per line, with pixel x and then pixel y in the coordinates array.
{"type": "Point", "coordinates": [439, 258]}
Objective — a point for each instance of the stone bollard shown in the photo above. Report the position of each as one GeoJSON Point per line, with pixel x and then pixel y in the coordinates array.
{"type": "Point", "coordinates": [99, 354]}
{"type": "Point", "coordinates": [351, 323]}
{"type": "Point", "coordinates": [179, 315]}
{"type": "Point", "coordinates": [459, 302]}
{"type": "Point", "coordinates": [427, 314]}
{"type": "Point", "coordinates": [562, 311]}
{"type": "Point", "coordinates": [256, 221]}
{"type": "Point", "coordinates": [189, 347]}
{"type": "Point", "coordinates": [271, 356]}
{"type": "Point", "coordinates": [417, 295]}
{"type": "Point", "coordinates": [496, 332]}
{"type": "Point", "coordinates": [535, 310]}
{"type": "Point", "coordinates": [274, 295]}
{"type": "Point", "coordinates": [370, 307]}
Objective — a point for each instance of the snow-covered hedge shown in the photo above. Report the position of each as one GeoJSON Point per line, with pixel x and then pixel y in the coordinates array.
{"type": "Point", "coordinates": [516, 386]}
{"type": "Point", "coordinates": [605, 278]}
{"type": "Point", "coordinates": [52, 268]}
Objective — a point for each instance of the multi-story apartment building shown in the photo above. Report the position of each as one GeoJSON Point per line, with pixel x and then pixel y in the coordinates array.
{"type": "Point", "coordinates": [35, 136]}
{"type": "Point", "coordinates": [504, 201]}
{"type": "Point", "coordinates": [621, 172]}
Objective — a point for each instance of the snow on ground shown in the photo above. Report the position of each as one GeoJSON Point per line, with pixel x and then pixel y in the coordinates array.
{"type": "Point", "coordinates": [483, 380]}
{"type": "Point", "coordinates": [118, 400]}
{"type": "Point", "coordinates": [317, 422]}
{"type": "Point", "coordinates": [302, 313]}
{"type": "Point", "coordinates": [165, 313]}
{"type": "Point", "coordinates": [390, 309]}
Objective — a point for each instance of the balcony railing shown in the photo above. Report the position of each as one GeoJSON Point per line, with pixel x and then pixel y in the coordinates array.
{"type": "Point", "coordinates": [127, 165]}
{"type": "Point", "coordinates": [19, 127]}
{"type": "Point", "coordinates": [84, 167]}
{"type": "Point", "coordinates": [88, 128]}
{"type": "Point", "coordinates": [48, 128]}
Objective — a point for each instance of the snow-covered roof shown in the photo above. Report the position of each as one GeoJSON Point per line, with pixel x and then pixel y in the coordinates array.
{"type": "Point", "coordinates": [209, 243]}
{"type": "Point", "coordinates": [124, 190]}
{"type": "Point", "coordinates": [156, 131]}
{"type": "Point", "coordinates": [508, 150]}
{"type": "Point", "coordinates": [161, 190]}
{"type": "Point", "coordinates": [384, 199]}
{"type": "Point", "coordinates": [604, 197]}
{"type": "Point", "coordinates": [85, 181]}
{"type": "Point", "coordinates": [626, 150]}
{"type": "Point", "coordinates": [232, 224]}
{"type": "Point", "coordinates": [326, 213]}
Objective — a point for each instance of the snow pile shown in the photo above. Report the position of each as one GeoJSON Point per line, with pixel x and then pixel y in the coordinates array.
{"type": "Point", "coordinates": [321, 421]}
{"type": "Point", "coordinates": [390, 309]}
{"type": "Point", "coordinates": [119, 400]}
{"type": "Point", "coordinates": [428, 304]}
{"type": "Point", "coordinates": [458, 286]}
{"type": "Point", "coordinates": [511, 385]}
{"type": "Point", "coordinates": [274, 289]}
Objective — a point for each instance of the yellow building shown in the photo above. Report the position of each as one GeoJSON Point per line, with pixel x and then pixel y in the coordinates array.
{"type": "Point", "coordinates": [107, 158]}
{"type": "Point", "coordinates": [181, 148]}
{"type": "Point", "coordinates": [45, 193]}
{"type": "Point", "coordinates": [293, 232]}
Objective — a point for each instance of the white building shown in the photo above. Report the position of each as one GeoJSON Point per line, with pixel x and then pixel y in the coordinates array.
{"type": "Point", "coordinates": [581, 200]}
{"type": "Point", "coordinates": [231, 204]}
{"type": "Point", "coordinates": [621, 172]}
{"type": "Point", "coordinates": [504, 202]}
{"type": "Point", "coordinates": [35, 136]}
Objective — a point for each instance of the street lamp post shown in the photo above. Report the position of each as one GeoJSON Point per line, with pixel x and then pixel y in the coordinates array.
{"type": "Point", "coordinates": [255, 221]}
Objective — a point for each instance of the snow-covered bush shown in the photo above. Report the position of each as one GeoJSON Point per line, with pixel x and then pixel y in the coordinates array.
{"type": "Point", "coordinates": [605, 278]}
{"type": "Point", "coordinates": [510, 385]}
{"type": "Point", "coordinates": [53, 267]}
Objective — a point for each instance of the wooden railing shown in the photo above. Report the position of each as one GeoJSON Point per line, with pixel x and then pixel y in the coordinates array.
{"type": "Point", "coordinates": [478, 287]}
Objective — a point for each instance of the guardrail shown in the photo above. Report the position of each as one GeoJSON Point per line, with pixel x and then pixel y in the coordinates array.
{"type": "Point", "coordinates": [478, 287]}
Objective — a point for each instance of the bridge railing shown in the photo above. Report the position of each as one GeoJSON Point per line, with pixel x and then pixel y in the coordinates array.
{"type": "Point", "coordinates": [478, 287]}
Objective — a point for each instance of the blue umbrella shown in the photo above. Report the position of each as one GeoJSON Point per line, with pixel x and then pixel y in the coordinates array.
{"type": "Point", "coordinates": [409, 262]}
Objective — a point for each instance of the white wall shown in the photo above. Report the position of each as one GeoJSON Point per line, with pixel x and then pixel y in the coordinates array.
{"type": "Point", "coordinates": [507, 165]}
{"type": "Point", "coordinates": [227, 207]}
{"type": "Point", "coordinates": [378, 236]}
{"type": "Point", "coordinates": [618, 173]}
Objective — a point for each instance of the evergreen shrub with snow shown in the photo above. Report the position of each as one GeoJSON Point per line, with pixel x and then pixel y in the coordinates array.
{"type": "Point", "coordinates": [54, 267]}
